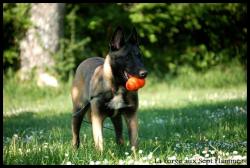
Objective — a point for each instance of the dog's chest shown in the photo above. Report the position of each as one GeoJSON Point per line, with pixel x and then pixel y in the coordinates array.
{"type": "Point", "coordinates": [120, 101]}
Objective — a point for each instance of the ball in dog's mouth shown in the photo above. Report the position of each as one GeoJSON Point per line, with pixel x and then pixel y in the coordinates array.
{"type": "Point", "coordinates": [134, 83]}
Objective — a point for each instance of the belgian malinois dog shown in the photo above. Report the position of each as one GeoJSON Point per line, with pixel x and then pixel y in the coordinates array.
{"type": "Point", "coordinates": [99, 90]}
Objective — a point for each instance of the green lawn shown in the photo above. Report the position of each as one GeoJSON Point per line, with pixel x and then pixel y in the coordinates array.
{"type": "Point", "coordinates": [176, 126]}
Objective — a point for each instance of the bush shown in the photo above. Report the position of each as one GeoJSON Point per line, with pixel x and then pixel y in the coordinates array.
{"type": "Point", "coordinates": [198, 35]}
{"type": "Point", "coordinates": [201, 36]}
{"type": "Point", "coordinates": [15, 23]}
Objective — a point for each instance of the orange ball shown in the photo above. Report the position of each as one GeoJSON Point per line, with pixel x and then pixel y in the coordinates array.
{"type": "Point", "coordinates": [134, 83]}
{"type": "Point", "coordinates": [141, 82]}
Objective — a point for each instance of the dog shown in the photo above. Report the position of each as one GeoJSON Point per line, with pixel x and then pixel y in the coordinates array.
{"type": "Point", "coordinates": [98, 90]}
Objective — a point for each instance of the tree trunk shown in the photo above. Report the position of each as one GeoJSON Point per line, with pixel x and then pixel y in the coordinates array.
{"type": "Point", "coordinates": [42, 39]}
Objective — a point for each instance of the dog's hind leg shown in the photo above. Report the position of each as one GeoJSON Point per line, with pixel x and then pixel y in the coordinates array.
{"type": "Point", "coordinates": [76, 125]}
{"type": "Point", "coordinates": [117, 122]}
{"type": "Point", "coordinates": [97, 123]}
{"type": "Point", "coordinates": [79, 109]}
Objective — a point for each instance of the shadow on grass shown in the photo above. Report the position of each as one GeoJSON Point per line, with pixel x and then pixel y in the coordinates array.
{"type": "Point", "coordinates": [33, 121]}
{"type": "Point", "coordinates": [197, 118]}
{"type": "Point", "coordinates": [189, 123]}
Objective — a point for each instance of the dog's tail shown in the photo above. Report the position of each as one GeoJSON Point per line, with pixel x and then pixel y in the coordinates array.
{"type": "Point", "coordinates": [82, 110]}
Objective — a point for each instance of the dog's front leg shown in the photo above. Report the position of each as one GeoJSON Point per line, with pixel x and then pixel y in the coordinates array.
{"type": "Point", "coordinates": [97, 123]}
{"type": "Point", "coordinates": [132, 123]}
{"type": "Point", "coordinates": [117, 122]}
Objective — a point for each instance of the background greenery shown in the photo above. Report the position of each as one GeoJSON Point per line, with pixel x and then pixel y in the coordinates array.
{"type": "Point", "coordinates": [15, 24]}
{"type": "Point", "coordinates": [195, 93]}
{"type": "Point", "coordinates": [198, 36]}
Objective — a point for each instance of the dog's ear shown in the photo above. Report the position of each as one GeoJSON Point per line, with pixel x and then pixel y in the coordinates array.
{"type": "Point", "coordinates": [117, 40]}
{"type": "Point", "coordinates": [133, 38]}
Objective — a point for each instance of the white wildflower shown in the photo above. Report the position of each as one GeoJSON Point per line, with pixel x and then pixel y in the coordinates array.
{"type": "Point", "coordinates": [220, 152]}
{"type": "Point", "coordinates": [105, 162]}
{"type": "Point", "coordinates": [84, 137]}
{"type": "Point", "coordinates": [140, 151]}
{"type": "Point", "coordinates": [235, 152]}
{"type": "Point", "coordinates": [45, 145]}
{"type": "Point", "coordinates": [69, 163]}
{"type": "Point", "coordinates": [204, 152]}
{"type": "Point", "coordinates": [97, 162]}
{"type": "Point", "coordinates": [197, 157]}
{"type": "Point", "coordinates": [128, 157]}
{"type": "Point", "coordinates": [28, 138]}
{"type": "Point", "coordinates": [172, 158]}
{"type": "Point", "coordinates": [177, 134]}
{"type": "Point", "coordinates": [130, 161]}
{"type": "Point", "coordinates": [177, 145]}
{"type": "Point", "coordinates": [212, 152]}
{"type": "Point", "coordinates": [150, 156]}
{"type": "Point", "coordinates": [15, 136]}
{"type": "Point", "coordinates": [237, 157]}
{"type": "Point", "coordinates": [121, 162]}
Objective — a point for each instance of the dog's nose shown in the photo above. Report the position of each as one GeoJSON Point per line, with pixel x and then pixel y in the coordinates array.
{"type": "Point", "coordinates": [143, 73]}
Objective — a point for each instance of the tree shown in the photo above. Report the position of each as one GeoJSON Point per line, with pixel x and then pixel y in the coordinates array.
{"type": "Point", "coordinates": [41, 40]}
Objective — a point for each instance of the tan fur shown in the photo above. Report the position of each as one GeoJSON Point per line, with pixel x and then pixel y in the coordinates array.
{"type": "Point", "coordinates": [107, 71]}
{"type": "Point", "coordinates": [76, 94]}
{"type": "Point", "coordinates": [98, 72]}
{"type": "Point", "coordinates": [97, 124]}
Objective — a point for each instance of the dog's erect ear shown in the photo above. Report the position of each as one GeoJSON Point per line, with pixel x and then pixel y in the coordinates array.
{"type": "Point", "coordinates": [117, 40]}
{"type": "Point", "coordinates": [133, 38]}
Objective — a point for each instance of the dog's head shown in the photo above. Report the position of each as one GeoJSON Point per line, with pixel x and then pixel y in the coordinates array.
{"type": "Point", "coordinates": [126, 56]}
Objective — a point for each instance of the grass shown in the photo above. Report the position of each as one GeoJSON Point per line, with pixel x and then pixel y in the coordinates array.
{"type": "Point", "coordinates": [175, 125]}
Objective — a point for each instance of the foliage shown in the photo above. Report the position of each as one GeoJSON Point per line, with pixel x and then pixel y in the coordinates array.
{"type": "Point", "coordinates": [171, 35]}
{"type": "Point", "coordinates": [85, 29]}
{"type": "Point", "coordinates": [15, 23]}
{"type": "Point", "coordinates": [199, 35]}
{"type": "Point", "coordinates": [70, 47]}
